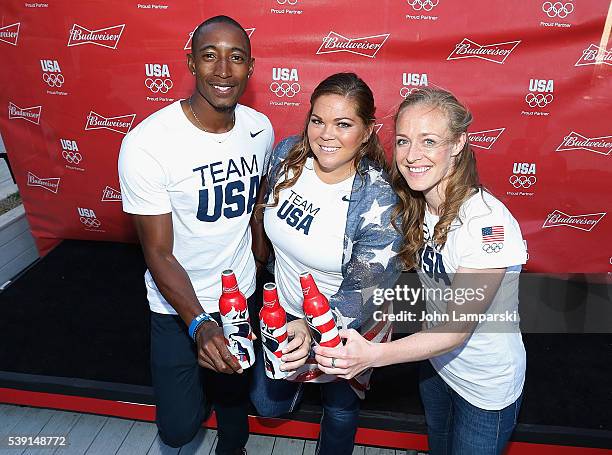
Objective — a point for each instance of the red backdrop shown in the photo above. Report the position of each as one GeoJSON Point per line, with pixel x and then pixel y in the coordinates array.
{"type": "Point", "coordinates": [76, 76]}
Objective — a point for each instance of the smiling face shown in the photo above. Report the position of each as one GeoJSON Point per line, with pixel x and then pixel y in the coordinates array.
{"type": "Point", "coordinates": [335, 134]}
{"type": "Point", "coordinates": [222, 63]}
{"type": "Point", "coordinates": [425, 151]}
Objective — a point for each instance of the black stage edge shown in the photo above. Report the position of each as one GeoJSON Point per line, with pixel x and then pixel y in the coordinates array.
{"type": "Point", "coordinates": [76, 323]}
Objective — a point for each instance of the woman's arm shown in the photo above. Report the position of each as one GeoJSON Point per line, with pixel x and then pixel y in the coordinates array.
{"type": "Point", "coordinates": [359, 354]}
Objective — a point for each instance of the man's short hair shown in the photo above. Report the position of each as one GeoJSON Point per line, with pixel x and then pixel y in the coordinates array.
{"type": "Point", "coordinates": [220, 20]}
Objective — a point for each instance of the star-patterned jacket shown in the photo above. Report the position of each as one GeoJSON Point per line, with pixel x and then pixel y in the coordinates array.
{"type": "Point", "coordinates": [371, 243]}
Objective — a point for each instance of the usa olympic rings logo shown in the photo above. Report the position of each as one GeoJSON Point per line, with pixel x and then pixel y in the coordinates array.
{"type": "Point", "coordinates": [285, 89]}
{"type": "Point", "coordinates": [492, 247]}
{"type": "Point", "coordinates": [53, 80]}
{"type": "Point", "coordinates": [558, 9]}
{"type": "Point", "coordinates": [72, 157]}
{"type": "Point", "coordinates": [158, 85]}
{"type": "Point", "coordinates": [539, 99]}
{"type": "Point", "coordinates": [288, 2]}
{"type": "Point", "coordinates": [90, 222]}
{"type": "Point", "coordinates": [425, 5]}
{"type": "Point", "coordinates": [522, 181]}
{"type": "Point", "coordinates": [405, 91]}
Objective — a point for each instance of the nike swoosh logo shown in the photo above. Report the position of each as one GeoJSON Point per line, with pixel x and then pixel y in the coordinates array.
{"type": "Point", "coordinates": [255, 134]}
{"type": "Point", "coordinates": [345, 198]}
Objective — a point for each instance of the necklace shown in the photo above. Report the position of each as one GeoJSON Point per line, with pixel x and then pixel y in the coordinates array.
{"type": "Point", "coordinates": [219, 137]}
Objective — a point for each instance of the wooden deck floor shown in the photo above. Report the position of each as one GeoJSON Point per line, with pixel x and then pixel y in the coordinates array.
{"type": "Point", "coordinates": [99, 435]}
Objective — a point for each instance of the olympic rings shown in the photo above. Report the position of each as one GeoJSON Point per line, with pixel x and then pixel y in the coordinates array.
{"type": "Point", "coordinates": [285, 89]}
{"type": "Point", "coordinates": [90, 222]}
{"type": "Point", "coordinates": [158, 85]}
{"type": "Point", "coordinates": [72, 157]}
{"type": "Point", "coordinates": [492, 247]}
{"type": "Point", "coordinates": [522, 181]}
{"type": "Point", "coordinates": [405, 91]}
{"type": "Point", "coordinates": [289, 2]}
{"type": "Point", "coordinates": [53, 80]}
{"type": "Point", "coordinates": [539, 100]}
{"type": "Point", "coordinates": [558, 9]}
{"type": "Point", "coordinates": [425, 5]}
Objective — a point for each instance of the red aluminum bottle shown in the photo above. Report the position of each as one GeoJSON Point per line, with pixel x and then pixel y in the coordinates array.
{"type": "Point", "coordinates": [235, 318]}
{"type": "Point", "coordinates": [273, 323]}
{"type": "Point", "coordinates": [318, 314]}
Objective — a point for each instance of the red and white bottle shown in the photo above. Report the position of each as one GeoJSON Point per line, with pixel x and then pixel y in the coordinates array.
{"type": "Point", "coordinates": [273, 324]}
{"type": "Point", "coordinates": [235, 319]}
{"type": "Point", "coordinates": [318, 314]}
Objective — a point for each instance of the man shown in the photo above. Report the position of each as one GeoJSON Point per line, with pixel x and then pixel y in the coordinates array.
{"type": "Point", "coordinates": [189, 175]}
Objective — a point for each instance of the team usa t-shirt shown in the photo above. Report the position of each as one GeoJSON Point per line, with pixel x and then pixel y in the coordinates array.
{"type": "Point", "coordinates": [167, 165]}
{"type": "Point", "coordinates": [488, 370]}
{"type": "Point", "coordinates": [306, 229]}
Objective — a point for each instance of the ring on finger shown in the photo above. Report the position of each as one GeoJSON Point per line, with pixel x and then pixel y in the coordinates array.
{"type": "Point", "coordinates": [333, 364]}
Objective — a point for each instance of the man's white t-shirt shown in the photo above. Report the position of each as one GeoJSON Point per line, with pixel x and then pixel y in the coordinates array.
{"type": "Point", "coordinates": [306, 229]}
{"type": "Point", "coordinates": [488, 370]}
{"type": "Point", "coordinates": [167, 165]}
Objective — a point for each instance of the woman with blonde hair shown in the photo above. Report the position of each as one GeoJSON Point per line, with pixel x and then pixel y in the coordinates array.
{"type": "Point", "coordinates": [466, 247]}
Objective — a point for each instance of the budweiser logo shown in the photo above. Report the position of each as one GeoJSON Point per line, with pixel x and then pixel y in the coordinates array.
{"type": "Point", "coordinates": [105, 37]}
{"type": "Point", "coordinates": [368, 46]}
{"type": "Point", "coordinates": [595, 55]}
{"type": "Point", "coordinates": [50, 184]}
{"type": "Point", "coordinates": [120, 124]}
{"type": "Point", "coordinates": [188, 43]}
{"type": "Point", "coordinates": [31, 114]}
{"type": "Point", "coordinates": [575, 141]}
{"type": "Point", "coordinates": [485, 139]}
{"type": "Point", "coordinates": [496, 53]}
{"type": "Point", "coordinates": [582, 222]}
{"type": "Point", "coordinates": [10, 33]}
{"type": "Point", "coordinates": [111, 195]}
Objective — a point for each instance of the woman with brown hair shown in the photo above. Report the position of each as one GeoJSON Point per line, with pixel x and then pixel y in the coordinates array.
{"type": "Point", "coordinates": [328, 211]}
{"type": "Point", "coordinates": [466, 247]}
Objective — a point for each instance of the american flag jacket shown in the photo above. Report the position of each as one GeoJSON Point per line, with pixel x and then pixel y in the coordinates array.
{"type": "Point", "coordinates": [369, 259]}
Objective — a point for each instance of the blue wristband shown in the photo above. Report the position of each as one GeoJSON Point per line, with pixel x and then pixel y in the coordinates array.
{"type": "Point", "coordinates": [197, 322]}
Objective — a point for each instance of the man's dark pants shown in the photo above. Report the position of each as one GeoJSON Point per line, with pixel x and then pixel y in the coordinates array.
{"type": "Point", "coordinates": [182, 388]}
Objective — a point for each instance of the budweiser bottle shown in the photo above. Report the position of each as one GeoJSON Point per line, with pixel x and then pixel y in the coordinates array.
{"type": "Point", "coordinates": [235, 318]}
{"type": "Point", "coordinates": [318, 314]}
{"type": "Point", "coordinates": [273, 323]}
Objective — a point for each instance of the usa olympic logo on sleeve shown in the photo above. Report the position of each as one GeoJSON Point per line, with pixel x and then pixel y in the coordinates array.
{"type": "Point", "coordinates": [492, 239]}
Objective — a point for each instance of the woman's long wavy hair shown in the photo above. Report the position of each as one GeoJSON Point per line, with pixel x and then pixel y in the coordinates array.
{"type": "Point", "coordinates": [352, 87]}
{"type": "Point", "coordinates": [461, 183]}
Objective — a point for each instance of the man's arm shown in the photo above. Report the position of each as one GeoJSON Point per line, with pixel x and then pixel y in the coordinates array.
{"type": "Point", "coordinates": [260, 244]}
{"type": "Point", "coordinates": [156, 238]}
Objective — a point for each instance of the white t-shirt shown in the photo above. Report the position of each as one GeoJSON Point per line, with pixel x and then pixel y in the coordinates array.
{"type": "Point", "coordinates": [306, 229]}
{"type": "Point", "coordinates": [488, 370]}
{"type": "Point", "coordinates": [167, 165]}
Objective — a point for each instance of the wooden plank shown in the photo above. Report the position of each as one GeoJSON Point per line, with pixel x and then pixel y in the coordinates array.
{"type": "Point", "coordinates": [139, 439]}
{"type": "Point", "coordinates": [260, 445]}
{"type": "Point", "coordinates": [16, 265]}
{"type": "Point", "coordinates": [286, 446]}
{"type": "Point", "coordinates": [110, 437]}
{"type": "Point", "coordinates": [378, 451]}
{"type": "Point", "coordinates": [9, 416]}
{"type": "Point", "coordinates": [59, 424]}
{"type": "Point", "coordinates": [29, 425]}
{"type": "Point", "coordinates": [82, 434]}
{"type": "Point", "coordinates": [159, 448]}
{"type": "Point", "coordinates": [309, 447]}
{"type": "Point", "coordinates": [203, 443]}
